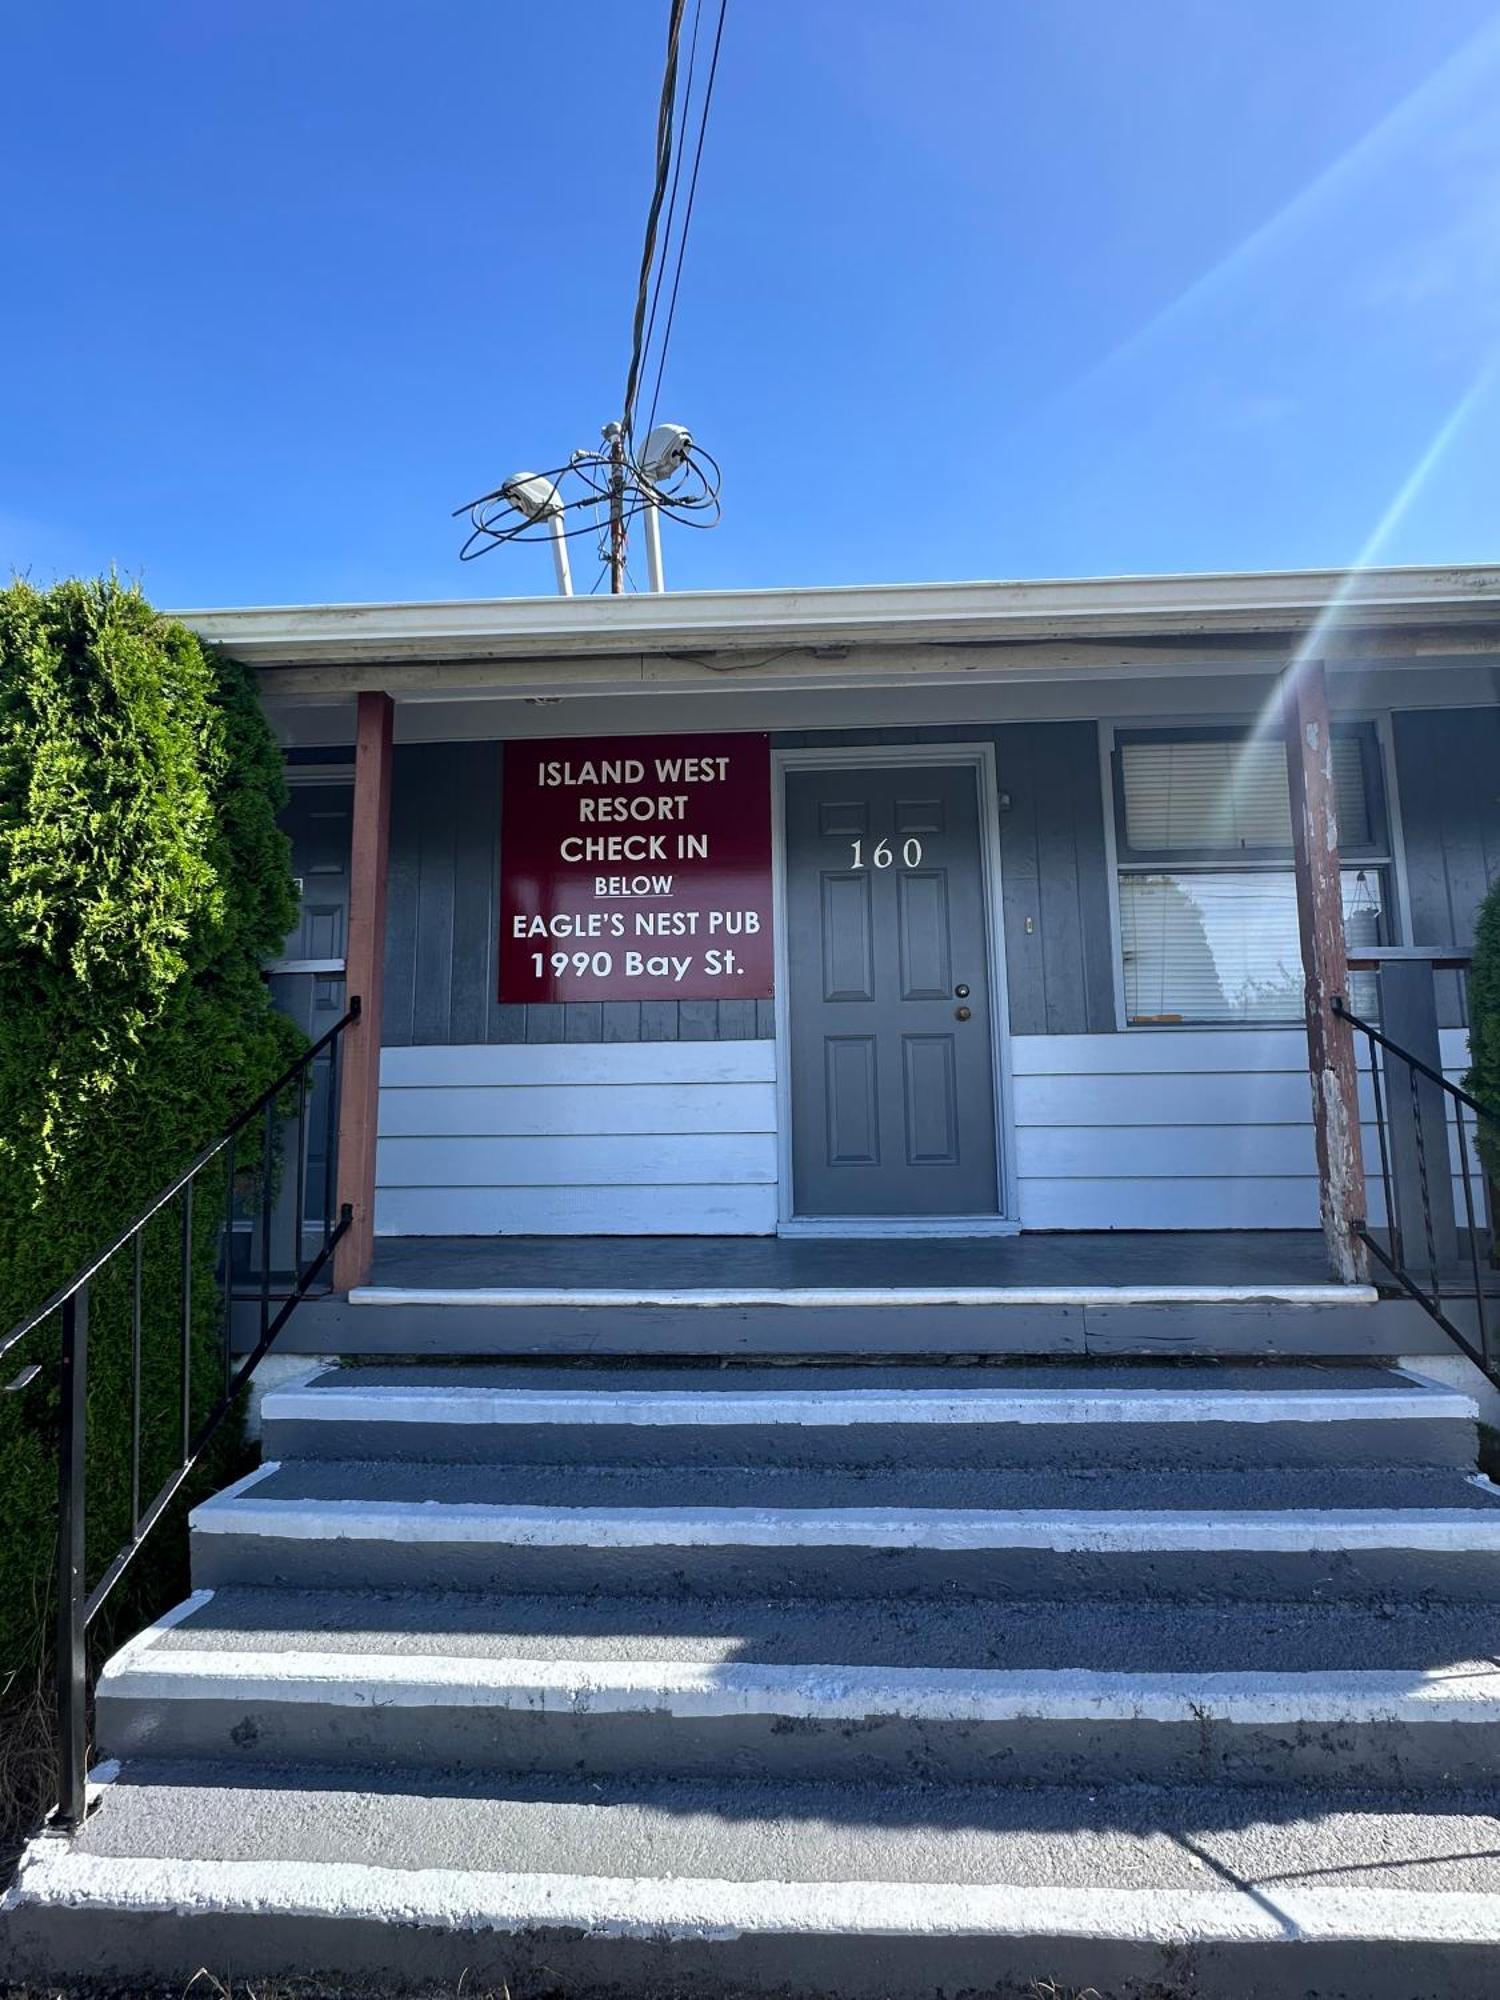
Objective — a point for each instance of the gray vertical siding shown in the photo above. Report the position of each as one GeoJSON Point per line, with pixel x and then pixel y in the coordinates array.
{"type": "Point", "coordinates": [444, 890]}
{"type": "Point", "coordinates": [1053, 868]}
{"type": "Point", "coordinates": [1448, 780]}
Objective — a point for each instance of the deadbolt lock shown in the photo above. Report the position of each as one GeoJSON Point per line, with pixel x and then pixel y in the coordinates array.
{"type": "Point", "coordinates": [961, 992]}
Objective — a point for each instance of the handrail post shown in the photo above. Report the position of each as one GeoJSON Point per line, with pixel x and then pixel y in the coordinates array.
{"type": "Point", "coordinates": [72, 1581]}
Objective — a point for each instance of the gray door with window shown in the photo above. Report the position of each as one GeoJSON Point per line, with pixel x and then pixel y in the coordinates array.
{"type": "Point", "coordinates": [319, 818]}
{"type": "Point", "coordinates": [893, 1095]}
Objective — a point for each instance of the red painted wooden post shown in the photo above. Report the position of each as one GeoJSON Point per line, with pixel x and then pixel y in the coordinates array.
{"type": "Point", "coordinates": [359, 1095]}
{"type": "Point", "coordinates": [1325, 966]}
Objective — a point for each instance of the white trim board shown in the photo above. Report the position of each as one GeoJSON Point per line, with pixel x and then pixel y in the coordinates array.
{"type": "Point", "coordinates": [841, 1408]}
{"type": "Point", "coordinates": [1466, 1692]}
{"type": "Point", "coordinates": [1436, 1530]}
{"type": "Point", "coordinates": [624, 631]}
{"type": "Point", "coordinates": [708, 1911]}
{"type": "Point", "coordinates": [896, 1228]}
{"type": "Point", "coordinates": [871, 1298]}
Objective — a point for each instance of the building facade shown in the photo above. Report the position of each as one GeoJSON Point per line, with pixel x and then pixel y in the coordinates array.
{"type": "Point", "coordinates": [931, 910]}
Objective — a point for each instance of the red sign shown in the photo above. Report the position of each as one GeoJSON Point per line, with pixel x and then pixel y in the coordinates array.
{"type": "Point", "coordinates": [636, 868]}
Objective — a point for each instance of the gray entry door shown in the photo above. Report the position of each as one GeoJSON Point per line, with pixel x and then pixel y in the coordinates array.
{"type": "Point", "coordinates": [893, 1097]}
{"type": "Point", "coordinates": [319, 819]}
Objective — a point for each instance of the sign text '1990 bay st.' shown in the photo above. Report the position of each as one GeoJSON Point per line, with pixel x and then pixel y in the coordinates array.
{"type": "Point", "coordinates": [636, 868]}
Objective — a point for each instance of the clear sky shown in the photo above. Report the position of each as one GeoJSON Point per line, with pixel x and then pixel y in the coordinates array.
{"type": "Point", "coordinates": [976, 288]}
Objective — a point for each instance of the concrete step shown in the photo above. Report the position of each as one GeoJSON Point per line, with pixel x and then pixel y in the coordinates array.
{"type": "Point", "coordinates": [855, 1690]}
{"type": "Point", "coordinates": [711, 1887]}
{"type": "Point", "coordinates": [1015, 1415]}
{"type": "Point", "coordinates": [786, 1531]}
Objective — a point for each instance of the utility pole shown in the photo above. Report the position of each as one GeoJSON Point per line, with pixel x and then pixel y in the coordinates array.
{"type": "Point", "coordinates": [614, 437]}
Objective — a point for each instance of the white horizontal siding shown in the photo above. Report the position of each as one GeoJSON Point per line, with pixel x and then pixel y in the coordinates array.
{"type": "Point", "coordinates": [469, 1066]}
{"type": "Point", "coordinates": [628, 1138]}
{"type": "Point", "coordinates": [577, 1211]}
{"type": "Point", "coordinates": [1178, 1203]}
{"type": "Point", "coordinates": [1161, 1129]}
{"type": "Point", "coordinates": [1146, 1052]}
{"type": "Point", "coordinates": [1179, 1152]}
{"type": "Point", "coordinates": [553, 1110]}
{"type": "Point", "coordinates": [1188, 1097]}
{"type": "Point", "coordinates": [1178, 1129]}
{"type": "Point", "coordinates": [613, 1159]}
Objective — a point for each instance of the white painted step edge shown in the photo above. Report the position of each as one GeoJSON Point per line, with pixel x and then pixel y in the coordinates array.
{"type": "Point", "coordinates": [52, 1876]}
{"type": "Point", "coordinates": [1123, 1532]}
{"type": "Point", "coordinates": [869, 1297]}
{"type": "Point", "coordinates": [691, 1690]}
{"type": "Point", "coordinates": [337, 1402]}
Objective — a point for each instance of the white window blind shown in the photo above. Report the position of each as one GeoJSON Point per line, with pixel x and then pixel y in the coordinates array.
{"type": "Point", "coordinates": [1220, 945]}
{"type": "Point", "coordinates": [1224, 797]}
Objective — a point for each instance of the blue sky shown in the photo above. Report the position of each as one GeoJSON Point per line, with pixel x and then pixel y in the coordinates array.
{"type": "Point", "coordinates": [975, 287]}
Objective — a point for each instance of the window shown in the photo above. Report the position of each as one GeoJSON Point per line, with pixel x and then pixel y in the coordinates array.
{"type": "Point", "coordinates": [1208, 904]}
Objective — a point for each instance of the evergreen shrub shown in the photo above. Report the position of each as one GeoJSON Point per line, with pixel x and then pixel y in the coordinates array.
{"type": "Point", "coordinates": [143, 881]}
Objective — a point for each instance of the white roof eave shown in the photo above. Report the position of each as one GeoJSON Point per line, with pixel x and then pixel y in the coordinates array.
{"type": "Point", "coordinates": [1135, 608]}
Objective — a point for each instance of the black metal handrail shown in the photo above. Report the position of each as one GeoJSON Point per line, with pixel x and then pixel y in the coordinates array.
{"type": "Point", "coordinates": [1439, 1291]}
{"type": "Point", "coordinates": [77, 1604]}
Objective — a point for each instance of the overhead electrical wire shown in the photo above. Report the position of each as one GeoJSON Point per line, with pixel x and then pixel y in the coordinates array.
{"type": "Point", "coordinates": [687, 214]}
{"type": "Point", "coordinates": [677, 157]}
{"type": "Point", "coordinates": [664, 117]}
{"type": "Point", "coordinates": [683, 480]}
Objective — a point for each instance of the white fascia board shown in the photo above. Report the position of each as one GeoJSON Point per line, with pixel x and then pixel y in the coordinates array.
{"type": "Point", "coordinates": [561, 627]}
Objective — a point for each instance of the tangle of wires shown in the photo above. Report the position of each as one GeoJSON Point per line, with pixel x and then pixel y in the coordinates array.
{"type": "Point", "coordinates": [534, 505]}
{"type": "Point", "coordinates": [667, 470]}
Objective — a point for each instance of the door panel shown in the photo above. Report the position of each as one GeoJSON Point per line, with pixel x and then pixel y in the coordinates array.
{"type": "Point", "coordinates": [893, 1101]}
{"type": "Point", "coordinates": [848, 939]}
{"type": "Point", "coordinates": [931, 1100]}
{"type": "Point", "coordinates": [922, 926]}
{"type": "Point", "coordinates": [853, 1106]}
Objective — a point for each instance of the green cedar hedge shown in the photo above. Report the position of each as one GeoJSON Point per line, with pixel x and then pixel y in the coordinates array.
{"type": "Point", "coordinates": [1483, 1080]}
{"type": "Point", "coordinates": [143, 880]}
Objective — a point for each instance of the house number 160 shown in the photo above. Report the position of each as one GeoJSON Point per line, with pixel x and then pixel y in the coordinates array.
{"type": "Point", "coordinates": [911, 854]}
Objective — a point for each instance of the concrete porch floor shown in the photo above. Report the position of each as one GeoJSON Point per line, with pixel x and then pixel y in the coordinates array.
{"type": "Point", "coordinates": [1259, 1293]}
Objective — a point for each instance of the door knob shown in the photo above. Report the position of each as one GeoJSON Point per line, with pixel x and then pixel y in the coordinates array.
{"type": "Point", "coordinates": [962, 1013]}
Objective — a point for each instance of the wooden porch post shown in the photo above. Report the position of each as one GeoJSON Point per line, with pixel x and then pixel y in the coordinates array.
{"type": "Point", "coordinates": [359, 1091]}
{"type": "Point", "coordinates": [1325, 966]}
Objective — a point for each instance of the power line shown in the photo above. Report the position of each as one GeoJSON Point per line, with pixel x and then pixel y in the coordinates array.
{"type": "Point", "coordinates": [666, 234]}
{"type": "Point", "coordinates": [687, 213]}
{"type": "Point", "coordinates": [683, 479]}
{"type": "Point", "coordinates": [653, 216]}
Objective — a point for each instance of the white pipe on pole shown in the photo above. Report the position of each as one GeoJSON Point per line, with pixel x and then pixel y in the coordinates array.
{"type": "Point", "coordinates": [652, 520]}
{"type": "Point", "coordinates": [560, 555]}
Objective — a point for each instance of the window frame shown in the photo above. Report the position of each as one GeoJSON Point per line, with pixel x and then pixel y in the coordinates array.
{"type": "Point", "coordinates": [1383, 853]}
{"type": "Point", "coordinates": [1183, 859]}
